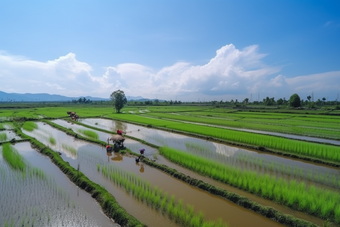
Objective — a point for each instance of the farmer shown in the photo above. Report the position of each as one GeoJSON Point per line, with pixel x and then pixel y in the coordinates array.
{"type": "Point", "coordinates": [141, 151]}
{"type": "Point", "coordinates": [108, 148]}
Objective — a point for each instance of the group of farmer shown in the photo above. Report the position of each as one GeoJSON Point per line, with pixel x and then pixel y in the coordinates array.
{"type": "Point", "coordinates": [118, 143]}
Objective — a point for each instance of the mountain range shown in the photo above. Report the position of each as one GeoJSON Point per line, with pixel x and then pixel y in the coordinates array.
{"type": "Point", "coordinates": [44, 97]}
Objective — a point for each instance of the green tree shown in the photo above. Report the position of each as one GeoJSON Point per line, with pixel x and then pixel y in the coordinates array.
{"type": "Point", "coordinates": [279, 101]}
{"type": "Point", "coordinates": [118, 100]}
{"type": "Point", "coordinates": [294, 100]}
{"type": "Point", "coordinates": [309, 97]}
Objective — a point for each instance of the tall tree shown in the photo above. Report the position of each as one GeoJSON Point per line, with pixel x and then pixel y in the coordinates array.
{"type": "Point", "coordinates": [118, 100]}
{"type": "Point", "coordinates": [294, 100]}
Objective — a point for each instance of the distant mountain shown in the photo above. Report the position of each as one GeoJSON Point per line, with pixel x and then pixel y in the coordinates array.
{"type": "Point", "coordinates": [40, 97]}
{"type": "Point", "coordinates": [44, 97]}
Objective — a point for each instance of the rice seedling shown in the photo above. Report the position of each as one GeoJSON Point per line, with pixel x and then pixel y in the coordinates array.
{"type": "Point", "coordinates": [3, 136]}
{"type": "Point", "coordinates": [89, 133]}
{"type": "Point", "coordinates": [69, 148]}
{"type": "Point", "coordinates": [52, 140]}
{"type": "Point", "coordinates": [29, 126]}
{"type": "Point", "coordinates": [12, 157]}
{"type": "Point", "coordinates": [152, 196]}
{"type": "Point", "coordinates": [288, 192]}
{"type": "Point", "coordinates": [320, 151]}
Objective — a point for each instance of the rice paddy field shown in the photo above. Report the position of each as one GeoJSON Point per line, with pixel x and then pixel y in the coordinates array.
{"type": "Point", "coordinates": [203, 166]}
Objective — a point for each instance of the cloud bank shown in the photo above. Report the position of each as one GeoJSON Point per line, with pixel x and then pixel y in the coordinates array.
{"type": "Point", "coordinates": [230, 74]}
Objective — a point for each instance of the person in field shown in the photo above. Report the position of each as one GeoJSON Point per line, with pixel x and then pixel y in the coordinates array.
{"type": "Point", "coordinates": [119, 132]}
{"type": "Point", "coordinates": [108, 148]}
{"type": "Point", "coordinates": [141, 151]}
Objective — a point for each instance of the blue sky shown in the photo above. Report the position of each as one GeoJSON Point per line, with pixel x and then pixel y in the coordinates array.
{"type": "Point", "coordinates": [185, 50]}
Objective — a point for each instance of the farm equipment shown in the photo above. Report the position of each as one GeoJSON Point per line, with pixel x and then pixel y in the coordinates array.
{"type": "Point", "coordinates": [73, 115]}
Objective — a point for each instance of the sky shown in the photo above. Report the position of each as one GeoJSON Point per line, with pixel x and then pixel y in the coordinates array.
{"type": "Point", "coordinates": [185, 50]}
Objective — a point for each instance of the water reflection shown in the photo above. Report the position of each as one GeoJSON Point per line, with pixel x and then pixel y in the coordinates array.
{"type": "Point", "coordinates": [141, 165]}
{"type": "Point", "coordinates": [117, 157]}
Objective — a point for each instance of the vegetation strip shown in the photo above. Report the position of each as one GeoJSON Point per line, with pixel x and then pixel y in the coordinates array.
{"type": "Point", "coordinates": [315, 201]}
{"type": "Point", "coordinates": [250, 122]}
{"type": "Point", "coordinates": [268, 212]}
{"type": "Point", "coordinates": [104, 198]}
{"type": "Point", "coordinates": [155, 198]}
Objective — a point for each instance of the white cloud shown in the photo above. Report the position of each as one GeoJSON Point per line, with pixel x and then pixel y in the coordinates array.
{"type": "Point", "coordinates": [231, 73]}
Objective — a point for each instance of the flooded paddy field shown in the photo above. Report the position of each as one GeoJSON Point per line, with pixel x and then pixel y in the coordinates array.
{"type": "Point", "coordinates": [92, 159]}
{"type": "Point", "coordinates": [42, 195]}
{"type": "Point", "coordinates": [222, 152]}
{"type": "Point", "coordinates": [288, 168]}
{"type": "Point", "coordinates": [94, 162]}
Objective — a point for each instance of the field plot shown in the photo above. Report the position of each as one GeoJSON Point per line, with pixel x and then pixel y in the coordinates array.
{"type": "Point", "coordinates": [237, 159]}
{"type": "Point", "coordinates": [303, 175]}
{"type": "Point", "coordinates": [36, 193]}
{"type": "Point", "coordinates": [90, 157]}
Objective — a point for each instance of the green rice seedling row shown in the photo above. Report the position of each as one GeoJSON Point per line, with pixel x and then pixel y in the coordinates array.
{"type": "Point", "coordinates": [323, 130]}
{"type": "Point", "coordinates": [291, 193]}
{"type": "Point", "coordinates": [248, 162]}
{"type": "Point", "coordinates": [155, 198]}
{"type": "Point", "coordinates": [29, 126]}
{"type": "Point", "coordinates": [89, 133]}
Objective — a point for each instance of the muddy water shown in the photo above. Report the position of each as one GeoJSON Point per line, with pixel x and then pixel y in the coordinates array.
{"type": "Point", "coordinates": [55, 201]}
{"type": "Point", "coordinates": [211, 150]}
{"type": "Point", "coordinates": [152, 153]}
{"type": "Point", "coordinates": [89, 155]}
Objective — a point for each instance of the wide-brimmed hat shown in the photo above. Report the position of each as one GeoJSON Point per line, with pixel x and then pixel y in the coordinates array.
{"type": "Point", "coordinates": [116, 138]}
